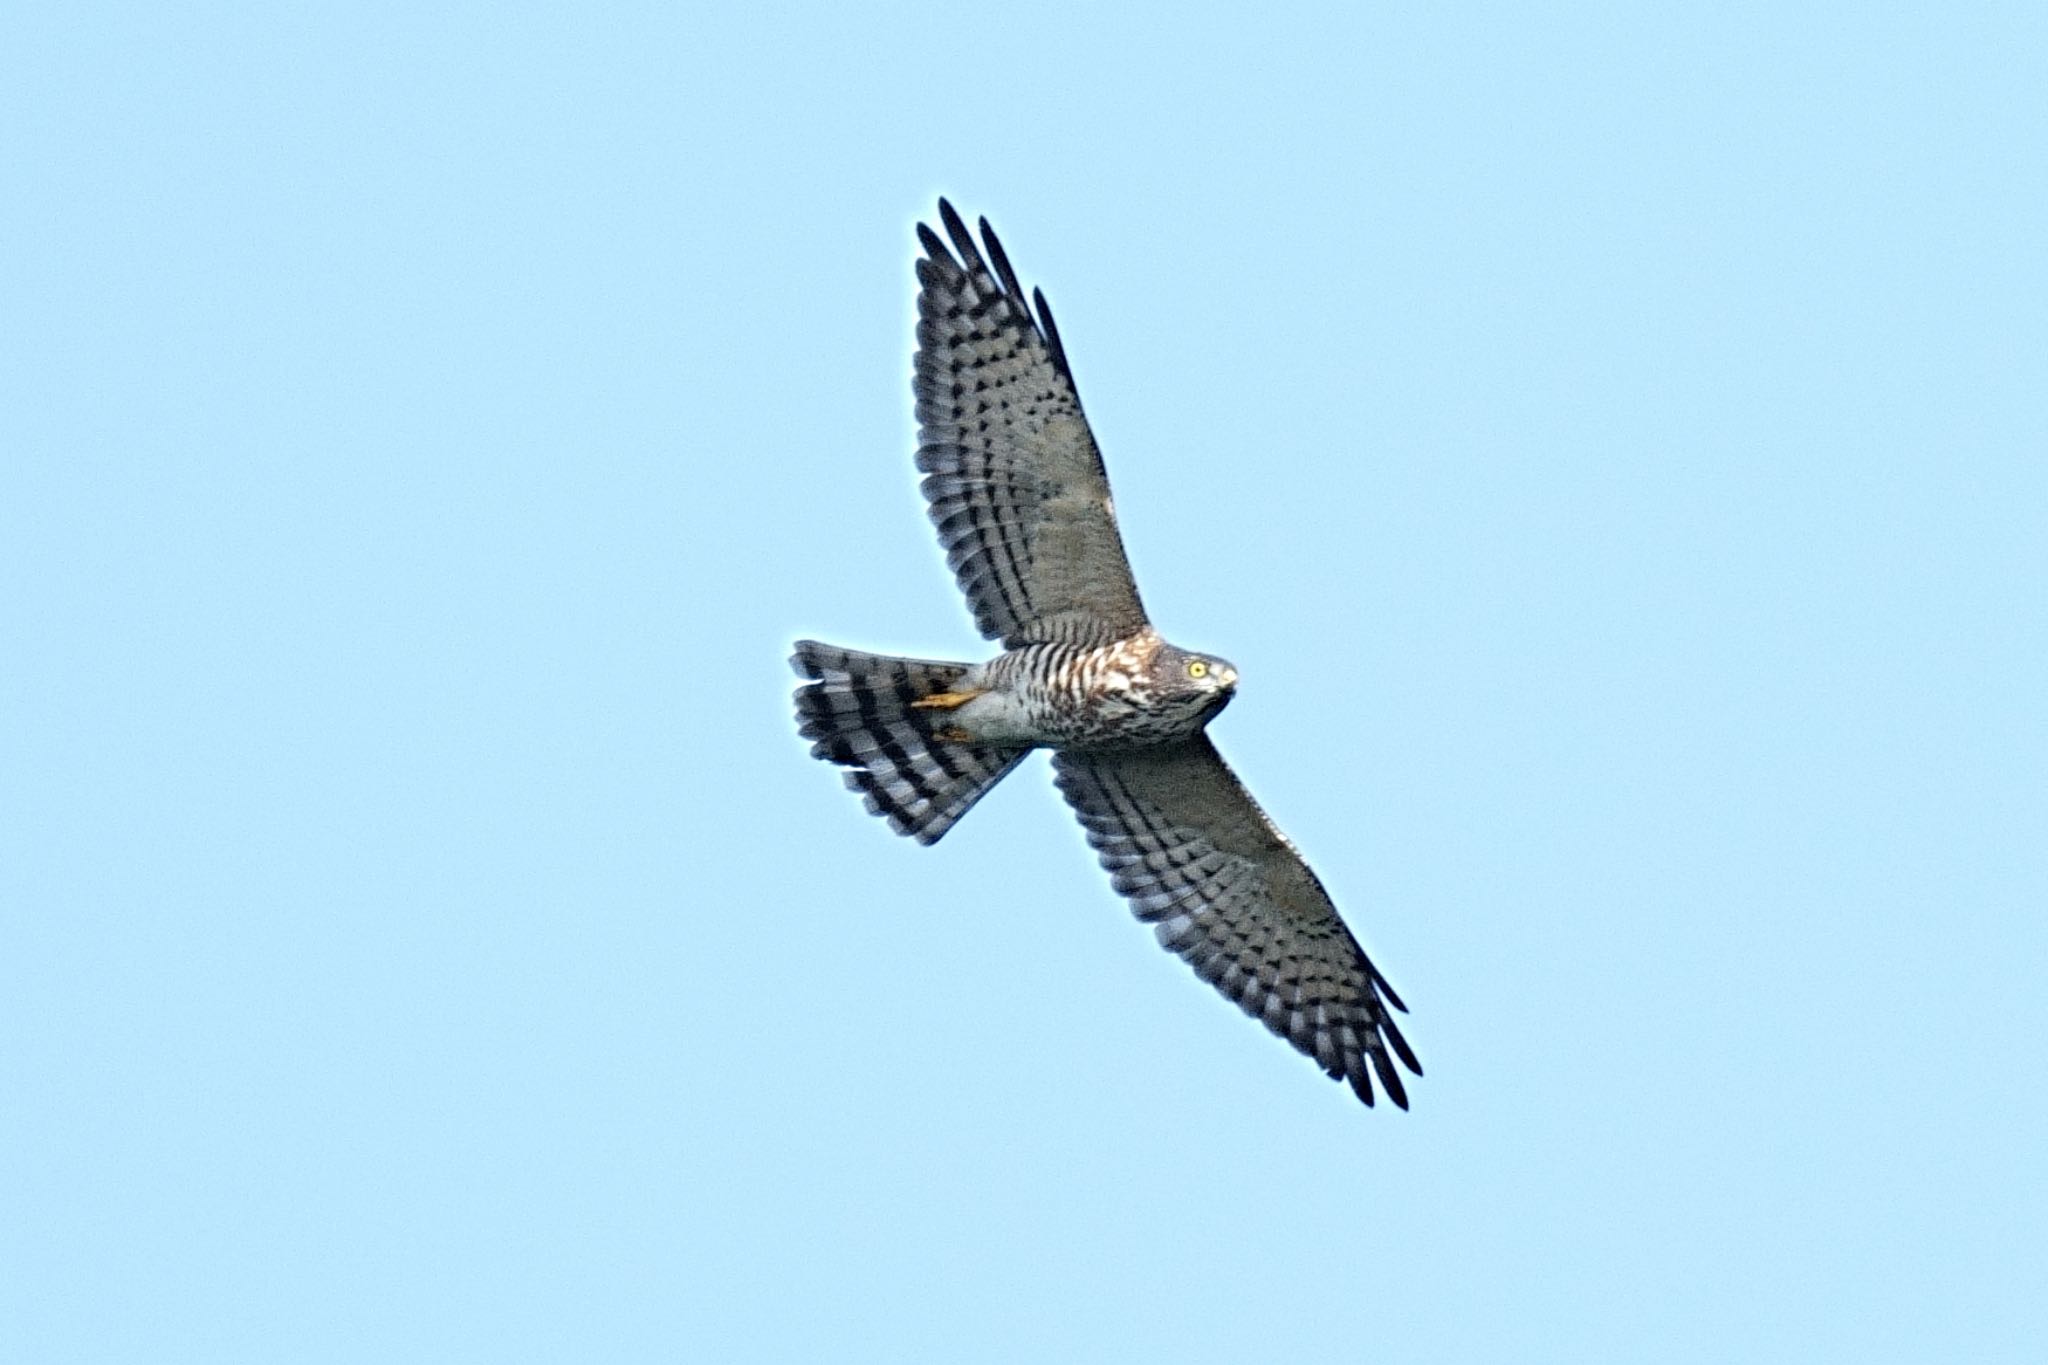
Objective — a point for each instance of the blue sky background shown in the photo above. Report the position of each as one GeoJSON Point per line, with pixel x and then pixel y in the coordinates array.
{"type": "Point", "coordinates": [1610, 439]}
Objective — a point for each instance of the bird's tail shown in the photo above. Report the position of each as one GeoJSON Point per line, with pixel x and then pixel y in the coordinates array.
{"type": "Point", "coordinates": [857, 707]}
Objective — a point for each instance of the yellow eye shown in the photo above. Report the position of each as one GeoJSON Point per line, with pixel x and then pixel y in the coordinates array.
{"type": "Point", "coordinates": [1198, 668]}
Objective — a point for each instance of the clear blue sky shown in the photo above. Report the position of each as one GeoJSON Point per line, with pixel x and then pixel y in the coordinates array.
{"type": "Point", "coordinates": [1611, 440]}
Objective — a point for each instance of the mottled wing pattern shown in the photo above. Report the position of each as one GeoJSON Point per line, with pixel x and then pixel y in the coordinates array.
{"type": "Point", "coordinates": [1013, 480]}
{"type": "Point", "coordinates": [1185, 842]}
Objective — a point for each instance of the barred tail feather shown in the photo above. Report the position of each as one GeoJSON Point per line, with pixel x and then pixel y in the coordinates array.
{"type": "Point", "coordinates": [857, 708]}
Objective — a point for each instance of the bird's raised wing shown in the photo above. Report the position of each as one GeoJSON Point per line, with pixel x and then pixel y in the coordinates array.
{"type": "Point", "coordinates": [1013, 479]}
{"type": "Point", "coordinates": [1185, 842]}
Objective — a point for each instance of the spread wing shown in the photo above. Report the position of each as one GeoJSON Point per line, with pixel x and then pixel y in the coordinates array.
{"type": "Point", "coordinates": [1185, 842]}
{"type": "Point", "coordinates": [1013, 479]}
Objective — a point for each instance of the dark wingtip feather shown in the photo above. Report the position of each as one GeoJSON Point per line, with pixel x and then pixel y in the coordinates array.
{"type": "Point", "coordinates": [1005, 273]}
{"type": "Point", "coordinates": [1361, 1086]}
{"type": "Point", "coordinates": [933, 247]}
{"type": "Point", "coordinates": [1387, 992]}
{"type": "Point", "coordinates": [1052, 334]}
{"type": "Point", "coordinates": [1390, 1078]}
{"type": "Point", "coordinates": [963, 240]}
{"type": "Point", "coordinates": [1400, 1045]}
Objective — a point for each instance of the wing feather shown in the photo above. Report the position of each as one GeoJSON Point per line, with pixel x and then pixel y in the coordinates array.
{"type": "Point", "coordinates": [1014, 482]}
{"type": "Point", "coordinates": [1228, 893]}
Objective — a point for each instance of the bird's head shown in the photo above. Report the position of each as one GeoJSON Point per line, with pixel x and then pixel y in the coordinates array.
{"type": "Point", "coordinates": [1203, 680]}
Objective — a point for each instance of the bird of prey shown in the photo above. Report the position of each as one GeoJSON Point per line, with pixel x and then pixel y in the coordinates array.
{"type": "Point", "coordinates": [1016, 487]}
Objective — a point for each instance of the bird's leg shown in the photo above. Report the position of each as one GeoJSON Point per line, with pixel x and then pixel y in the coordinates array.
{"type": "Point", "coordinates": [948, 701]}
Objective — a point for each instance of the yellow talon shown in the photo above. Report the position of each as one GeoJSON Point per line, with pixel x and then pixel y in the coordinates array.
{"type": "Point", "coordinates": [947, 701]}
{"type": "Point", "coordinates": [952, 734]}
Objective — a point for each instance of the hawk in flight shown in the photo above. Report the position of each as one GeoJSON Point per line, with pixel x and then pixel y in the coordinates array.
{"type": "Point", "coordinates": [1017, 490]}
